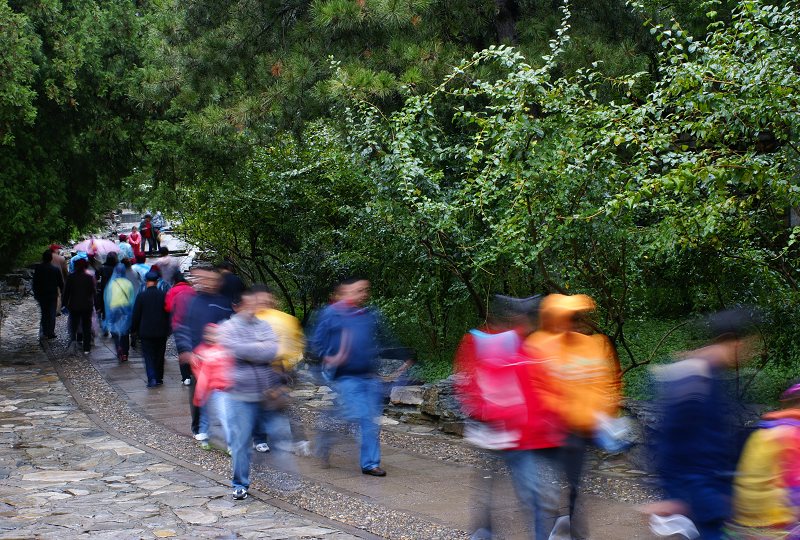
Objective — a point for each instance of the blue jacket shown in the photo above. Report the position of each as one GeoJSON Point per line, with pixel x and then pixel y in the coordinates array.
{"type": "Point", "coordinates": [362, 326]}
{"type": "Point", "coordinates": [202, 310]}
{"type": "Point", "coordinates": [697, 442]}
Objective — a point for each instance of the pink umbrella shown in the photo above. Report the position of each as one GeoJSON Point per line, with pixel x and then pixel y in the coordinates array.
{"type": "Point", "coordinates": [97, 246]}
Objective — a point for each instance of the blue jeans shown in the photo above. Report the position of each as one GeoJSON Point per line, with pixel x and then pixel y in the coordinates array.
{"type": "Point", "coordinates": [243, 417]}
{"type": "Point", "coordinates": [217, 406]}
{"type": "Point", "coordinates": [537, 495]}
{"type": "Point", "coordinates": [358, 401]}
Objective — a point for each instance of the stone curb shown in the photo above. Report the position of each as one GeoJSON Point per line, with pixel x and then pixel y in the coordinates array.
{"type": "Point", "coordinates": [86, 408]}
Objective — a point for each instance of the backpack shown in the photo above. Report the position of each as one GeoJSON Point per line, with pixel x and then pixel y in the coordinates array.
{"type": "Point", "coordinates": [500, 395]}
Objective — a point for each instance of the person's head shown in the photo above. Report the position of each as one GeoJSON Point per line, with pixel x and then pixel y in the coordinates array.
{"type": "Point", "coordinates": [127, 262]}
{"type": "Point", "coordinates": [81, 265]}
{"type": "Point", "coordinates": [207, 280]}
{"type": "Point", "coordinates": [733, 335]}
{"type": "Point", "coordinates": [123, 238]}
{"type": "Point", "coordinates": [354, 291]}
{"type": "Point", "coordinates": [55, 248]}
{"type": "Point", "coordinates": [249, 305]}
{"type": "Point", "coordinates": [151, 278]}
{"type": "Point", "coordinates": [141, 258]}
{"type": "Point", "coordinates": [264, 296]}
{"type": "Point", "coordinates": [210, 333]}
{"type": "Point", "coordinates": [112, 259]}
{"type": "Point", "coordinates": [47, 256]}
{"type": "Point", "coordinates": [163, 251]}
{"type": "Point", "coordinates": [179, 278]}
{"type": "Point", "coordinates": [119, 270]}
{"type": "Point", "coordinates": [225, 266]}
{"type": "Point", "coordinates": [565, 313]}
{"type": "Point", "coordinates": [147, 217]}
{"type": "Point", "coordinates": [134, 229]}
{"type": "Point", "coordinates": [508, 312]}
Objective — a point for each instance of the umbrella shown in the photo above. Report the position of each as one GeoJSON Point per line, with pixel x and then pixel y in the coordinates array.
{"type": "Point", "coordinates": [97, 246]}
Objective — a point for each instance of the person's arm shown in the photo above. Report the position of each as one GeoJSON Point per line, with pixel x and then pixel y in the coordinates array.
{"type": "Point", "coordinates": [137, 314]}
{"type": "Point", "coordinates": [183, 333]}
{"type": "Point", "coordinates": [259, 351]}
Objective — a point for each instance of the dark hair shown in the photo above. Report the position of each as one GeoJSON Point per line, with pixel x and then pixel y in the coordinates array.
{"type": "Point", "coordinates": [733, 324]}
{"type": "Point", "coordinates": [257, 288]}
{"type": "Point", "coordinates": [141, 258]}
{"type": "Point", "coordinates": [47, 256]}
{"type": "Point", "coordinates": [226, 265]}
{"type": "Point", "coordinates": [127, 262]}
{"type": "Point", "coordinates": [163, 250]}
{"type": "Point", "coordinates": [179, 278]}
{"type": "Point", "coordinates": [81, 264]}
{"type": "Point", "coordinates": [112, 258]}
{"type": "Point", "coordinates": [352, 279]}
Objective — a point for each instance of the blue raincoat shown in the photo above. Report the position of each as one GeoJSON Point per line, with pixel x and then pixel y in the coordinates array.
{"type": "Point", "coordinates": [119, 297]}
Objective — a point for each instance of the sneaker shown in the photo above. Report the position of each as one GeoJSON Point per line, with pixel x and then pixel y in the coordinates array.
{"type": "Point", "coordinates": [187, 382]}
{"type": "Point", "coordinates": [205, 445]}
{"type": "Point", "coordinates": [229, 451]}
{"type": "Point", "coordinates": [201, 437]}
{"type": "Point", "coordinates": [262, 447]}
{"type": "Point", "coordinates": [374, 471]}
{"type": "Point", "coordinates": [85, 353]}
{"type": "Point", "coordinates": [240, 494]}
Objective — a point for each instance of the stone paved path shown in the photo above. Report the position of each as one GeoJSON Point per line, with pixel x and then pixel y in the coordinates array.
{"type": "Point", "coordinates": [62, 476]}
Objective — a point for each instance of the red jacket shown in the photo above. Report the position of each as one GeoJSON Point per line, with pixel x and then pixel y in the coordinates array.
{"type": "Point", "coordinates": [176, 302]}
{"type": "Point", "coordinates": [538, 422]}
{"type": "Point", "coordinates": [212, 365]}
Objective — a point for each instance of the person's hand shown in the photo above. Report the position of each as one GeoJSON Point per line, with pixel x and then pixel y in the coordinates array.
{"type": "Point", "coordinates": [669, 507]}
{"type": "Point", "coordinates": [185, 357]}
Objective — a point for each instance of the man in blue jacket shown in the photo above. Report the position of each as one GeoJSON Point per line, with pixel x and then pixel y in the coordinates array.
{"type": "Point", "coordinates": [347, 340]}
{"type": "Point", "coordinates": [208, 306]}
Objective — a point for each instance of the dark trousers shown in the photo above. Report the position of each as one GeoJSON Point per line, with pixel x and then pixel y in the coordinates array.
{"type": "Point", "coordinates": [84, 319]}
{"type": "Point", "coordinates": [194, 409]}
{"type": "Point", "coordinates": [122, 342]}
{"type": "Point", "coordinates": [152, 244]}
{"type": "Point", "coordinates": [573, 456]}
{"type": "Point", "coordinates": [153, 350]}
{"type": "Point", "coordinates": [48, 322]}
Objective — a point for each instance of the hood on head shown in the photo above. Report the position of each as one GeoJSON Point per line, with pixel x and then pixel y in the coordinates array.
{"type": "Point", "coordinates": [557, 310]}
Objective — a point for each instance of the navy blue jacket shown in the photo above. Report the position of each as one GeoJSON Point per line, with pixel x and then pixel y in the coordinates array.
{"type": "Point", "coordinates": [364, 329]}
{"type": "Point", "coordinates": [150, 319]}
{"type": "Point", "coordinates": [697, 441]}
{"type": "Point", "coordinates": [203, 309]}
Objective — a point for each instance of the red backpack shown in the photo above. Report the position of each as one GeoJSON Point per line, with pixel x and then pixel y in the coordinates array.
{"type": "Point", "coordinates": [499, 391]}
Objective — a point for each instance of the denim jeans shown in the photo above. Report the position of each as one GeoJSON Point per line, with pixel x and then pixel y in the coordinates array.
{"type": "Point", "coordinates": [243, 417]}
{"type": "Point", "coordinates": [217, 406]}
{"type": "Point", "coordinates": [358, 401]}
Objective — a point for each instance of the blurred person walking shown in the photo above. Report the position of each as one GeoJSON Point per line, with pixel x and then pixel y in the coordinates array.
{"type": "Point", "coordinates": [148, 232]}
{"type": "Point", "coordinates": [586, 377]}
{"type": "Point", "coordinates": [125, 249]}
{"type": "Point", "coordinates": [168, 265]}
{"type": "Point", "coordinates": [79, 298]}
{"type": "Point", "coordinates": [48, 282]}
{"type": "Point", "coordinates": [347, 338]}
{"type": "Point", "coordinates": [207, 306]}
{"type": "Point", "coordinates": [697, 441]}
{"type": "Point", "coordinates": [176, 303]}
{"type": "Point", "coordinates": [213, 365]}
{"type": "Point", "coordinates": [151, 323]}
{"type": "Point", "coordinates": [232, 285]}
{"type": "Point", "coordinates": [119, 299]}
{"type": "Point", "coordinates": [766, 489]}
{"type": "Point", "coordinates": [104, 275]}
{"type": "Point", "coordinates": [135, 240]}
{"type": "Point", "coordinates": [507, 393]}
{"type": "Point", "coordinates": [255, 398]}
{"type": "Point", "coordinates": [291, 344]}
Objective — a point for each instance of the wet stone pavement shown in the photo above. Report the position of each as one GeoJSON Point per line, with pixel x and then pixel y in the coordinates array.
{"type": "Point", "coordinates": [62, 475]}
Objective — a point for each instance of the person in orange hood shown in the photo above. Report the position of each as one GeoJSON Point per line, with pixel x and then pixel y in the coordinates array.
{"type": "Point", "coordinates": [585, 371]}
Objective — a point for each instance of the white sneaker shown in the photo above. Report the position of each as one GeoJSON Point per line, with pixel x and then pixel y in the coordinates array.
{"type": "Point", "coordinates": [187, 382]}
{"type": "Point", "coordinates": [262, 447]}
{"type": "Point", "coordinates": [201, 437]}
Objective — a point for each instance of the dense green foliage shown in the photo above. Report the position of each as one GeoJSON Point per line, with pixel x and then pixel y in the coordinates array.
{"type": "Point", "coordinates": [645, 152]}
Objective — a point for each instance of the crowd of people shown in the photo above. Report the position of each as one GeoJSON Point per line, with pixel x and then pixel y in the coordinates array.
{"type": "Point", "coordinates": [538, 383]}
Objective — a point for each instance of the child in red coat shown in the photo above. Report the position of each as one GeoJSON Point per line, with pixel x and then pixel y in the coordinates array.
{"type": "Point", "coordinates": [212, 365]}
